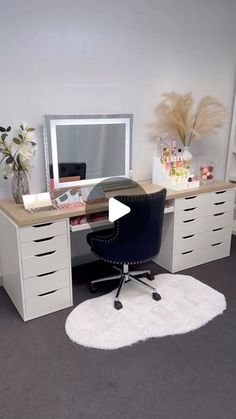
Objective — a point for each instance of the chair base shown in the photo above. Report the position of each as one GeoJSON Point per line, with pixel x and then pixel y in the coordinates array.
{"type": "Point", "coordinates": [126, 275]}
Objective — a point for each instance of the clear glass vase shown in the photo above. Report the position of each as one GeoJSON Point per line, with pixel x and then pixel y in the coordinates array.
{"type": "Point", "coordinates": [20, 185]}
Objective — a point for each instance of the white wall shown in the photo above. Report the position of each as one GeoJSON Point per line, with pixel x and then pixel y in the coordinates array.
{"type": "Point", "coordinates": [114, 56]}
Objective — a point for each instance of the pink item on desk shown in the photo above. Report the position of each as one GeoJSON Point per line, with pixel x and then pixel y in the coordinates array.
{"type": "Point", "coordinates": [71, 205]}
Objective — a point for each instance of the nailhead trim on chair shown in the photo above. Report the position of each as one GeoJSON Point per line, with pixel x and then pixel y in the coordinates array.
{"type": "Point", "coordinates": [122, 263]}
{"type": "Point", "coordinates": [117, 229]}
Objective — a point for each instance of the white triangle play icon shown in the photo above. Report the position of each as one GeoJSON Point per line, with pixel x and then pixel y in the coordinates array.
{"type": "Point", "coordinates": [117, 209]}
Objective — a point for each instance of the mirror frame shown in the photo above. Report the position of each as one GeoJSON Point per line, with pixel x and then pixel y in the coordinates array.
{"type": "Point", "coordinates": [50, 140]}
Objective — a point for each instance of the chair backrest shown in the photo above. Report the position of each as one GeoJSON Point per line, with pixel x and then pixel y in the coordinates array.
{"type": "Point", "coordinates": [140, 231]}
{"type": "Point", "coordinates": [70, 170]}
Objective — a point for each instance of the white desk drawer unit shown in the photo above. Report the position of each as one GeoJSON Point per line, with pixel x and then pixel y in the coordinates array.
{"type": "Point", "coordinates": [46, 262]}
{"type": "Point", "coordinates": [189, 202]}
{"type": "Point", "coordinates": [219, 220]}
{"type": "Point", "coordinates": [190, 226]}
{"type": "Point", "coordinates": [42, 231]}
{"type": "Point", "coordinates": [220, 196]}
{"type": "Point", "coordinates": [188, 232]}
{"type": "Point", "coordinates": [187, 259]}
{"type": "Point", "coordinates": [46, 283]}
{"type": "Point", "coordinates": [201, 230]}
{"type": "Point", "coordinates": [45, 245]}
{"type": "Point", "coordinates": [48, 303]}
{"type": "Point", "coordinates": [217, 235]}
{"type": "Point", "coordinates": [46, 271]}
{"type": "Point", "coordinates": [37, 265]}
{"type": "Point", "coordinates": [188, 242]}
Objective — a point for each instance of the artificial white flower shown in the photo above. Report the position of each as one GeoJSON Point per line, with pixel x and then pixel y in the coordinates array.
{"type": "Point", "coordinates": [8, 169]}
{"type": "Point", "coordinates": [25, 151]}
{"type": "Point", "coordinates": [24, 125]}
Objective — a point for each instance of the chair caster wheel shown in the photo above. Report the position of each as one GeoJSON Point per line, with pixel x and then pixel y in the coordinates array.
{"type": "Point", "coordinates": [150, 277]}
{"type": "Point", "coordinates": [156, 296]}
{"type": "Point", "coordinates": [117, 305]}
{"type": "Point", "coordinates": [93, 288]}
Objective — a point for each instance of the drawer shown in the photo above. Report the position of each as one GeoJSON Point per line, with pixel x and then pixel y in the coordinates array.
{"type": "Point", "coordinates": [188, 259]}
{"type": "Point", "coordinates": [221, 206]}
{"type": "Point", "coordinates": [220, 196]}
{"type": "Point", "coordinates": [189, 213]}
{"type": "Point", "coordinates": [187, 227]}
{"type": "Point", "coordinates": [189, 202]}
{"type": "Point", "coordinates": [218, 235]}
{"type": "Point", "coordinates": [190, 242]}
{"type": "Point", "coordinates": [44, 263]}
{"type": "Point", "coordinates": [40, 246]}
{"type": "Point", "coordinates": [217, 250]}
{"type": "Point", "coordinates": [44, 304]}
{"type": "Point", "coordinates": [46, 283]}
{"type": "Point", "coordinates": [42, 231]}
{"type": "Point", "coordinates": [221, 219]}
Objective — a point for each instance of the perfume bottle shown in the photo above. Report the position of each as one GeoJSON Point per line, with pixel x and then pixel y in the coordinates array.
{"type": "Point", "coordinates": [174, 147]}
{"type": "Point", "coordinates": [179, 159]}
{"type": "Point", "coordinates": [163, 156]}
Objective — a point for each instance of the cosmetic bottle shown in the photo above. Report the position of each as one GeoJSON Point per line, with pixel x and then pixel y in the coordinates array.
{"type": "Point", "coordinates": [167, 164]}
{"type": "Point", "coordinates": [174, 147]}
{"type": "Point", "coordinates": [163, 157]}
{"type": "Point", "coordinates": [178, 157]}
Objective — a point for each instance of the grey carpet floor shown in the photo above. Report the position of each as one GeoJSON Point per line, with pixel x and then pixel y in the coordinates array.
{"type": "Point", "coordinates": [43, 375]}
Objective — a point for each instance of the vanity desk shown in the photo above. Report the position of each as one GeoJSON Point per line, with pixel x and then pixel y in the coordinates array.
{"type": "Point", "coordinates": [35, 249]}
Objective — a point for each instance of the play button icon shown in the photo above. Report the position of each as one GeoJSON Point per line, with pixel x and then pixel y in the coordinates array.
{"type": "Point", "coordinates": [105, 204]}
{"type": "Point", "coordinates": [117, 209]}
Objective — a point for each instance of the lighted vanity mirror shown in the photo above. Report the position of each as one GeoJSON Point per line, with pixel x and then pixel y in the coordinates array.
{"type": "Point", "coordinates": [86, 149]}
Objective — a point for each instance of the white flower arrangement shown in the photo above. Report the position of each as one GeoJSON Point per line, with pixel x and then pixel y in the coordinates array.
{"type": "Point", "coordinates": [17, 154]}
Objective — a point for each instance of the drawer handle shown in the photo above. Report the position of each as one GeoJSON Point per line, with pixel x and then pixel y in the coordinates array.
{"type": "Point", "coordinates": [219, 192]}
{"type": "Point", "coordinates": [219, 203]}
{"type": "Point", "coordinates": [48, 273]}
{"type": "Point", "coordinates": [45, 254]}
{"type": "Point", "coordinates": [47, 293]}
{"type": "Point", "coordinates": [44, 240]}
{"type": "Point", "coordinates": [42, 225]}
{"type": "Point", "coordinates": [190, 197]}
{"type": "Point", "coordinates": [216, 244]}
{"type": "Point", "coordinates": [217, 215]}
{"type": "Point", "coordinates": [189, 209]}
{"type": "Point", "coordinates": [189, 251]}
{"type": "Point", "coordinates": [218, 229]}
{"type": "Point", "coordinates": [189, 221]}
{"type": "Point", "coordinates": [188, 237]}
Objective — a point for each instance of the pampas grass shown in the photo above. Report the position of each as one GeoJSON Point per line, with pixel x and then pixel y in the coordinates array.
{"type": "Point", "coordinates": [175, 116]}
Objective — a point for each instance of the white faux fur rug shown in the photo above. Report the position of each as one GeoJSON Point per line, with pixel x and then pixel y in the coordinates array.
{"type": "Point", "coordinates": [186, 305]}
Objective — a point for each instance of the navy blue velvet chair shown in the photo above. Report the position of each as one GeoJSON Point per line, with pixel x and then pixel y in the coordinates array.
{"type": "Point", "coordinates": [135, 239]}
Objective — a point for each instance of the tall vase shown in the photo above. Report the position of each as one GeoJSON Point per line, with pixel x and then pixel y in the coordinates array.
{"type": "Point", "coordinates": [19, 185]}
{"type": "Point", "coordinates": [186, 153]}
